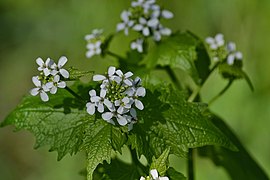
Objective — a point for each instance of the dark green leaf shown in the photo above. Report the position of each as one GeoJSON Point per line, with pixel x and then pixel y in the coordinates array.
{"type": "Point", "coordinates": [117, 170]}
{"type": "Point", "coordinates": [170, 121]}
{"type": "Point", "coordinates": [175, 175]}
{"type": "Point", "coordinates": [177, 51]}
{"type": "Point", "coordinates": [239, 165]}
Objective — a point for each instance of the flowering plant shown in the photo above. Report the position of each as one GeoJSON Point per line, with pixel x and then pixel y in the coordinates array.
{"type": "Point", "coordinates": [133, 106]}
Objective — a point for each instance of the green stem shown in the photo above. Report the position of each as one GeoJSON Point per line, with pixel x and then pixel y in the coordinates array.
{"type": "Point", "coordinates": [173, 76]}
{"type": "Point", "coordinates": [195, 93]}
{"type": "Point", "coordinates": [75, 94]}
{"type": "Point", "coordinates": [221, 92]}
{"type": "Point", "coordinates": [190, 164]}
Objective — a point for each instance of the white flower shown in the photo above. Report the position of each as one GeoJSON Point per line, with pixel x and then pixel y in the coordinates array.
{"type": "Point", "coordinates": [126, 24]}
{"type": "Point", "coordinates": [233, 54]}
{"type": "Point", "coordinates": [161, 31]}
{"type": "Point", "coordinates": [56, 83]}
{"type": "Point", "coordinates": [40, 89]}
{"type": "Point", "coordinates": [114, 102]}
{"type": "Point", "coordinates": [137, 45]}
{"type": "Point", "coordinates": [96, 33]}
{"type": "Point", "coordinates": [93, 49]}
{"type": "Point", "coordinates": [124, 105]}
{"type": "Point", "coordinates": [154, 175]}
{"type": "Point", "coordinates": [216, 42]}
{"type": "Point", "coordinates": [123, 77]}
{"type": "Point", "coordinates": [46, 67]}
{"type": "Point", "coordinates": [59, 67]}
{"type": "Point", "coordinates": [167, 14]}
{"type": "Point", "coordinates": [145, 25]}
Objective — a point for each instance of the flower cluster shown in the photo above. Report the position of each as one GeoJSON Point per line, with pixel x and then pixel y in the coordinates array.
{"type": "Point", "coordinates": [49, 78]}
{"type": "Point", "coordinates": [223, 51]}
{"type": "Point", "coordinates": [118, 97]}
{"type": "Point", "coordinates": [144, 17]}
{"type": "Point", "coordinates": [154, 176]}
{"type": "Point", "coordinates": [94, 42]}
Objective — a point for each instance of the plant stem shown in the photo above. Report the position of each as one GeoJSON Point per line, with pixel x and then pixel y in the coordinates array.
{"type": "Point", "coordinates": [221, 92]}
{"type": "Point", "coordinates": [195, 93]}
{"type": "Point", "coordinates": [190, 164]}
{"type": "Point", "coordinates": [75, 94]}
{"type": "Point", "coordinates": [173, 76]}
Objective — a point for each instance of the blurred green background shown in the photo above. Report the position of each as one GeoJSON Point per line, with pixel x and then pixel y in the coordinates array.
{"type": "Point", "coordinates": [35, 28]}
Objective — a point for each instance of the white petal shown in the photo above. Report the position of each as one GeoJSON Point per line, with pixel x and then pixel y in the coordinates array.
{"type": "Point", "coordinates": [111, 70]}
{"type": "Point", "coordinates": [49, 85]}
{"type": "Point", "coordinates": [34, 91]}
{"type": "Point", "coordinates": [167, 14]}
{"type": "Point", "coordinates": [130, 127]}
{"type": "Point", "coordinates": [121, 120]}
{"type": "Point", "coordinates": [146, 31]}
{"type": "Point", "coordinates": [53, 90]}
{"type": "Point", "coordinates": [133, 113]}
{"type": "Point", "coordinates": [108, 103]}
{"type": "Point", "coordinates": [128, 74]}
{"type": "Point", "coordinates": [62, 61]}
{"type": "Point", "coordinates": [39, 61]}
{"type": "Point", "coordinates": [91, 108]}
{"type": "Point", "coordinates": [100, 108]}
{"type": "Point", "coordinates": [118, 79]}
{"type": "Point", "coordinates": [142, 178]}
{"type": "Point", "coordinates": [140, 92]}
{"type": "Point", "coordinates": [119, 73]}
{"type": "Point", "coordinates": [56, 78]}
{"type": "Point", "coordinates": [139, 104]}
{"type": "Point", "coordinates": [64, 73]}
{"type": "Point", "coordinates": [36, 81]}
{"type": "Point", "coordinates": [90, 53]}
{"type": "Point", "coordinates": [163, 178]}
{"type": "Point", "coordinates": [102, 93]}
{"type": "Point", "coordinates": [230, 59]}
{"type": "Point", "coordinates": [128, 82]}
{"type": "Point", "coordinates": [117, 102]}
{"type": "Point", "coordinates": [46, 72]}
{"type": "Point", "coordinates": [231, 46]}
{"type": "Point", "coordinates": [157, 36]}
{"type": "Point", "coordinates": [44, 97]}
{"type": "Point", "coordinates": [210, 40]}
{"type": "Point", "coordinates": [154, 173]}
{"type": "Point", "coordinates": [124, 16]}
{"type": "Point", "coordinates": [92, 93]}
{"type": "Point", "coordinates": [120, 26]}
{"type": "Point", "coordinates": [166, 31]}
{"type": "Point", "coordinates": [125, 100]}
{"type": "Point", "coordinates": [239, 55]}
{"type": "Point", "coordinates": [62, 84]}
{"type": "Point", "coordinates": [138, 27]}
{"type": "Point", "coordinates": [142, 21]}
{"type": "Point", "coordinates": [120, 110]}
{"type": "Point", "coordinates": [98, 77]}
{"type": "Point", "coordinates": [95, 99]}
{"type": "Point", "coordinates": [153, 22]}
{"type": "Point", "coordinates": [107, 116]}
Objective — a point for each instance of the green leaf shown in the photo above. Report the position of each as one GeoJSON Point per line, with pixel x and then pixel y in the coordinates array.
{"type": "Point", "coordinates": [97, 143]}
{"type": "Point", "coordinates": [171, 121]}
{"type": "Point", "coordinates": [75, 74]}
{"type": "Point", "coordinates": [55, 123]}
{"type": "Point", "coordinates": [177, 51]}
{"type": "Point", "coordinates": [161, 163]}
{"type": "Point", "coordinates": [64, 125]}
{"type": "Point", "coordinates": [117, 170]}
{"type": "Point", "coordinates": [175, 175]}
{"type": "Point", "coordinates": [239, 165]}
